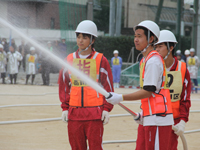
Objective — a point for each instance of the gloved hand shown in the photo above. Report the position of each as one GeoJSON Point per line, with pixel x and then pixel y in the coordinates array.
{"type": "Point", "coordinates": [114, 98]}
{"type": "Point", "coordinates": [105, 117]}
{"type": "Point", "coordinates": [139, 118]}
{"type": "Point", "coordinates": [65, 116]}
{"type": "Point", "coordinates": [181, 127]}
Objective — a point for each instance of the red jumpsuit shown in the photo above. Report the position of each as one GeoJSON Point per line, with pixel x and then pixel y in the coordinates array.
{"type": "Point", "coordinates": [155, 132]}
{"type": "Point", "coordinates": [85, 122]}
{"type": "Point", "coordinates": [185, 104]}
{"type": "Point", "coordinates": [184, 114]}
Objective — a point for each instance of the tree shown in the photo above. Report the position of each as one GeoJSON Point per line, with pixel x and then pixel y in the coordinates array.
{"type": "Point", "coordinates": [101, 17]}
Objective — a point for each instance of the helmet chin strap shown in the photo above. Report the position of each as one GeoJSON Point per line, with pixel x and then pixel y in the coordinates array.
{"type": "Point", "coordinates": [144, 50]}
{"type": "Point", "coordinates": [137, 59]}
{"type": "Point", "coordinates": [168, 50]}
{"type": "Point", "coordinates": [86, 47]}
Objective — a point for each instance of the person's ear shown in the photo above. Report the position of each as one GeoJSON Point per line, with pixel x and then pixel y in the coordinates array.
{"type": "Point", "coordinates": [93, 40]}
{"type": "Point", "coordinates": [151, 39]}
{"type": "Point", "coordinates": [171, 48]}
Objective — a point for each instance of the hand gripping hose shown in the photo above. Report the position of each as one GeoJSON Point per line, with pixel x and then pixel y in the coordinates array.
{"type": "Point", "coordinates": [173, 127]}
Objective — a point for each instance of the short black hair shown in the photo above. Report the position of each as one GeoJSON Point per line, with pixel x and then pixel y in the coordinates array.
{"type": "Point", "coordinates": [171, 44]}
{"type": "Point", "coordinates": [146, 33]}
{"type": "Point", "coordinates": [88, 35]}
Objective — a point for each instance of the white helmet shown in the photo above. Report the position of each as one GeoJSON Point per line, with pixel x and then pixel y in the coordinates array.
{"type": "Point", "coordinates": [1, 46]}
{"type": "Point", "coordinates": [178, 51]}
{"type": "Point", "coordinates": [88, 27]}
{"type": "Point", "coordinates": [150, 25]}
{"type": "Point", "coordinates": [32, 48]}
{"type": "Point", "coordinates": [166, 36]}
{"type": "Point", "coordinates": [115, 52]}
{"type": "Point", "coordinates": [192, 50]}
{"type": "Point", "coordinates": [187, 52]}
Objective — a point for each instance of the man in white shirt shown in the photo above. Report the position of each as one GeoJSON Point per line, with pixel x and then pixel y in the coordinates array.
{"type": "Point", "coordinates": [156, 118]}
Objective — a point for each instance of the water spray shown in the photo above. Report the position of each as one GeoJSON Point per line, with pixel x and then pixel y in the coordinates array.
{"type": "Point", "coordinates": [74, 71]}
{"type": "Point", "coordinates": [63, 63]}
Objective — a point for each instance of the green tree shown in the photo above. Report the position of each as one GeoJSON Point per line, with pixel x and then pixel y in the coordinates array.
{"type": "Point", "coordinates": [101, 17]}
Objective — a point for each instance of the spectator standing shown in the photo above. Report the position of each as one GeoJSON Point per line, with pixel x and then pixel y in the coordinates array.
{"type": "Point", "coordinates": [3, 62]}
{"type": "Point", "coordinates": [23, 52]}
{"type": "Point", "coordinates": [31, 60]}
{"type": "Point", "coordinates": [179, 57]}
{"type": "Point", "coordinates": [56, 46]}
{"type": "Point", "coordinates": [46, 65]}
{"type": "Point", "coordinates": [5, 45]}
{"type": "Point", "coordinates": [63, 48]}
{"type": "Point", "coordinates": [13, 44]}
{"type": "Point", "coordinates": [193, 65]}
{"type": "Point", "coordinates": [178, 54]}
{"type": "Point", "coordinates": [13, 58]}
{"type": "Point", "coordinates": [116, 63]}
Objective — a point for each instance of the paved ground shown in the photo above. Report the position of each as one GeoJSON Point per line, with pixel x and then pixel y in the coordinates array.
{"type": "Point", "coordinates": [52, 135]}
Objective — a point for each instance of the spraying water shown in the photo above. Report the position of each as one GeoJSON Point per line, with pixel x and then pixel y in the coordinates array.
{"type": "Point", "coordinates": [63, 63]}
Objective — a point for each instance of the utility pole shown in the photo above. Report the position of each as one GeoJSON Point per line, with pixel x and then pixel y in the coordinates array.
{"type": "Point", "coordinates": [178, 24]}
{"type": "Point", "coordinates": [118, 17]}
{"type": "Point", "coordinates": [90, 10]}
{"type": "Point", "coordinates": [159, 11]}
{"type": "Point", "coordinates": [195, 25]}
{"type": "Point", "coordinates": [112, 18]}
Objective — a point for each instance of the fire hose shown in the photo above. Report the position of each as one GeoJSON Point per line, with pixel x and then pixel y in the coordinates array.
{"type": "Point", "coordinates": [173, 127]}
{"type": "Point", "coordinates": [184, 142]}
{"type": "Point", "coordinates": [74, 71]}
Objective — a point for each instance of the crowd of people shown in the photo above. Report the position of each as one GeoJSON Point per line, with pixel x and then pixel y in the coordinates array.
{"type": "Point", "coordinates": [29, 59]}
{"type": "Point", "coordinates": [192, 62]}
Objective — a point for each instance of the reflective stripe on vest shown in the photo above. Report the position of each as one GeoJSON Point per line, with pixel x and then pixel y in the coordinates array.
{"type": "Point", "coordinates": [175, 81]}
{"type": "Point", "coordinates": [158, 103]}
{"type": "Point", "coordinates": [82, 95]}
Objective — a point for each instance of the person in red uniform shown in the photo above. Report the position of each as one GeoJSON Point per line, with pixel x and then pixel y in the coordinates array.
{"type": "Point", "coordinates": [156, 117]}
{"type": "Point", "coordinates": [178, 81]}
{"type": "Point", "coordinates": [85, 109]}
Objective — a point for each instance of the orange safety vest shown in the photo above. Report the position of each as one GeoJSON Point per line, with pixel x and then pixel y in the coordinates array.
{"type": "Point", "coordinates": [158, 103]}
{"type": "Point", "coordinates": [176, 95]}
{"type": "Point", "coordinates": [82, 95]}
